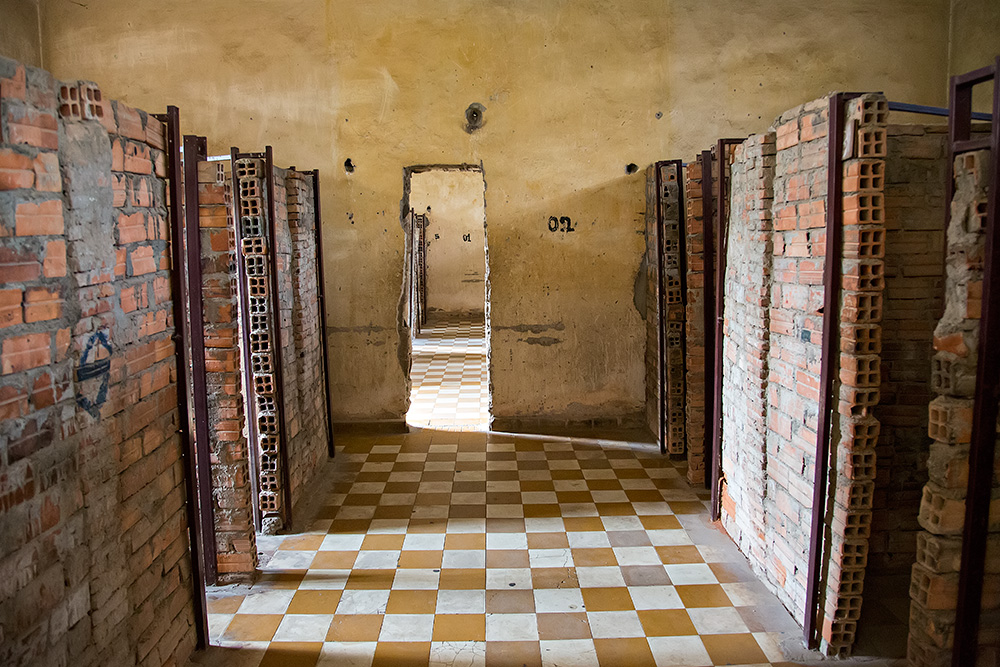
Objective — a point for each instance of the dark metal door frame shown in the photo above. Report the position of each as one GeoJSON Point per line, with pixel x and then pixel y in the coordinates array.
{"type": "Point", "coordinates": [661, 318]}
{"type": "Point", "coordinates": [984, 411]}
{"type": "Point", "coordinates": [279, 379]}
{"type": "Point", "coordinates": [321, 298]}
{"type": "Point", "coordinates": [195, 467]}
{"type": "Point", "coordinates": [708, 311]}
{"type": "Point", "coordinates": [718, 337]}
{"type": "Point", "coordinates": [195, 150]}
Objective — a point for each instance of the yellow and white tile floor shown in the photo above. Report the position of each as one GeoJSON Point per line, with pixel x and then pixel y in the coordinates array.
{"type": "Point", "coordinates": [463, 547]}
{"type": "Point", "coordinates": [450, 390]}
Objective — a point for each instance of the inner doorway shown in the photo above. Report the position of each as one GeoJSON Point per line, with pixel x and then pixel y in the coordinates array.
{"type": "Point", "coordinates": [447, 289]}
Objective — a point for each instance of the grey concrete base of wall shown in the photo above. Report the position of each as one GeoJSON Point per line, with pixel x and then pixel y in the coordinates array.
{"type": "Point", "coordinates": [632, 426]}
{"type": "Point", "coordinates": [373, 427]}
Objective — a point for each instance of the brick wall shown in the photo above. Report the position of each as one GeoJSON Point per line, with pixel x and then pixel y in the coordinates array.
{"type": "Point", "coordinates": [799, 216]}
{"type": "Point", "coordinates": [663, 218]}
{"type": "Point", "coordinates": [745, 356]}
{"type": "Point", "coordinates": [773, 350]}
{"type": "Point", "coordinates": [855, 428]}
{"type": "Point", "coordinates": [915, 179]}
{"type": "Point", "coordinates": [95, 565]}
{"type": "Point", "coordinates": [652, 309]}
{"type": "Point", "coordinates": [304, 390]}
{"type": "Point", "coordinates": [302, 435]}
{"type": "Point", "coordinates": [673, 298]}
{"type": "Point", "coordinates": [934, 583]}
{"type": "Point", "coordinates": [232, 499]}
{"type": "Point", "coordinates": [694, 325]}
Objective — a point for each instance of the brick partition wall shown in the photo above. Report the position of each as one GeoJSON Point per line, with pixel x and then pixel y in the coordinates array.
{"type": "Point", "coordinates": [674, 309]}
{"type": "Point", "coordinates": [935, 575]}
{"type": "Point", "coordinates": [915, 180]}
{"type": "Point", "coordinates": [696, 396]}
{"type": "Point", "coordinates": [309, 446]}
{"type": "Point", "coordinates": [652, 309]}
{"type": "Point", "coordinates": [95, 565]}
{"type": "Point", "coordinates": [669, 225]}
{"type": "Point", "coordinates": [232, 497]}
{"type": "Point", "coordinates": [774, 303]}
{"type": "Point", "coordinates": [300, 335]}
{"type": "Point", "coordinates": [745, 356]}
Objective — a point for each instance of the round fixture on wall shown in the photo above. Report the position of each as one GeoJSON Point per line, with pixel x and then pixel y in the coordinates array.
{"type": "Point", "coordinates": [348, 166]}
{"type": "Point", "coordinates": [474, 117]}
{"type": "Point", "coordinates": [631, 168]}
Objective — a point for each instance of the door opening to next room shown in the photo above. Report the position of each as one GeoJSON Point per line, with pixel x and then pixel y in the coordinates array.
{"type": "Point", "coordinates": [448, 299]}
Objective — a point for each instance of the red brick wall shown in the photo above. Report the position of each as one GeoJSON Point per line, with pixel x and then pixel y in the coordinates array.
{"type": "Point", "coordinates": [652, 309]}
{"type": "Point", "coordinates": [747, 296]}
{"type": "Point", "coordinates": [694, 325]}
{"type": "Point", "coordinates": [915, 179]}
{"type": "Point", "coordinates": [232, 497]}
{"type": "Point", "coordinates": [934, 583]}
{"type": "Point", "coordinates": [773, 349]}
{"type": "Point", "coordinates": [95, 556]}
{"type": "Point", "coordinates": [309, 445]}
{"type": "Point", "coordinates": [663, 217]}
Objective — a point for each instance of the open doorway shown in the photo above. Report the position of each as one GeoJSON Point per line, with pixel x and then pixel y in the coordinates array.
{"type": "Point", "coordinates": [447, 296]}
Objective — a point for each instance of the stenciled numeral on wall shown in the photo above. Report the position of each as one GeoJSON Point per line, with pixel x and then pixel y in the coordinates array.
{"type": "Point", "coordinates": [561, 224]}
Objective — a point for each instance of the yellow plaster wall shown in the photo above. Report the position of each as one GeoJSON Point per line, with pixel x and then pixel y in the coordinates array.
{"type": "Point", "coordinates": [975, 42]}
{"type": "Point", "coordinates": [574, 90]}
{"type": "Point", "coordinates": [19, 35]}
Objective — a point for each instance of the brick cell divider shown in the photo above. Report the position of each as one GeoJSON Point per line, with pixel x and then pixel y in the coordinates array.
{"type": "Point", "coordinates": [712, 404]}
{"type": "Point", "coordinates": [321, 298]}
{"type": "Point", "coordinates": [661, 352]}
{"type": "Point", "coordinates": [984, 415]}
{"type": "Point", "coordinates": [722, 158]}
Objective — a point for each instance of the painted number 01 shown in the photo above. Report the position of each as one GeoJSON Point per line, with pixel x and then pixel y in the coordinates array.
{"type": "Point", "coordinates": [561, 224]}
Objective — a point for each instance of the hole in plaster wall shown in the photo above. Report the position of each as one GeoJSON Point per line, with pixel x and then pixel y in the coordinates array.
{"type": "Point", "coordinates": [474, 117]}
{"type": "Point", "coordinates": [659, 115]}
{"type": "Point", "coordinates": [348, 166]}
{"type": "Point", "coordinates": [631, 168]}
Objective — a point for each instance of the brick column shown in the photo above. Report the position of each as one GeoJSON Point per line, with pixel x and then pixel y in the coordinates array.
{"type": "Point", "coordinates": [934, 583]}
{"type": "Point", "coordinates": [856, 428]}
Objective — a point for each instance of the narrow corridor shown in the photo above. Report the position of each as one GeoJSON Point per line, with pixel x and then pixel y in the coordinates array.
{"type": "Point", "coordinates": [451, 546]}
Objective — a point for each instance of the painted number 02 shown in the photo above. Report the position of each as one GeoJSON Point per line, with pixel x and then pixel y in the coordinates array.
{"type": "Point", "coordinates": [561, 224]}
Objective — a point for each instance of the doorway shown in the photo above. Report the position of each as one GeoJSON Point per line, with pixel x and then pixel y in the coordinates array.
{"type": "Point", "coordinates": [446, 288]}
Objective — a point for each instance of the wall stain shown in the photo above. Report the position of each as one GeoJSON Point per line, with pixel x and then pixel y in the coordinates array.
{"type": "Point", "coordinates": [367, 328]}
{"type": "Point", "coordinates": [544, 341]}
{"type": "Point", "coordinates": [531, 328]}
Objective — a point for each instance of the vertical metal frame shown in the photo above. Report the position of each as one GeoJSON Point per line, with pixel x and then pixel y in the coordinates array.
{"type": "Point", "coordinates": [331, 449]}
{"type": "Point", "coordinates": [708, 301]}
{"type": "Point", "coordinates": [195, 150]}
{"type": "Point", "coordinates": [195, 468]}
{"type": "Point", "coordinates": [984, 411]}
{"type": "Point", "coordinates": [718, 338]}
{"type": "Point", "coordinates": [279, 381]}
{"type": "Point", "coordinates": [661, 315]}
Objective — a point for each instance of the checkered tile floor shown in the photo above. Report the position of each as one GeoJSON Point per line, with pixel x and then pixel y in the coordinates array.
{"type": "Point", "coordinates": [450, 547]}
{"type": "Point", "coordinates": [450, 390]}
